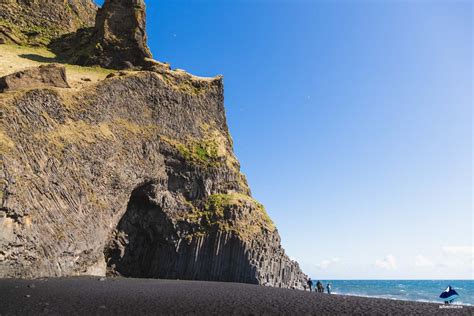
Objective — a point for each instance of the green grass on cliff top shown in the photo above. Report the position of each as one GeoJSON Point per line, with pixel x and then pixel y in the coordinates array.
{"type": "Point", "coordinates": [15, 58]}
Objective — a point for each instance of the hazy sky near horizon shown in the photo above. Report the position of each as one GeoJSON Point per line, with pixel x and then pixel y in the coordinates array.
{"type": "Point", "coordinates": [352, 121]}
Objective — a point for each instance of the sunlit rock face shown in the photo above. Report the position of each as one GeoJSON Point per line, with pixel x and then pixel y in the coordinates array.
{"type": "Point", "coordinates": [36, 22]}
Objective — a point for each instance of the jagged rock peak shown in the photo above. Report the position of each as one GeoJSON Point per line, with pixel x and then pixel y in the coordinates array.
{"type": "Point", "coordinates": [117, 41]}
{"type": "Point", "coordinates": [121, 33]}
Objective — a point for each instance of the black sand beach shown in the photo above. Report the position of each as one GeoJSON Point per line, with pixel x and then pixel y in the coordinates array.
{"type": "Point", "coordinates": [119, 296]}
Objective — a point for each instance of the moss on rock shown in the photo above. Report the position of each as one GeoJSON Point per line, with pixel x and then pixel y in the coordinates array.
{"type": "Point", "coordinates": [38, 22]}
{"type": "Point", "coordinates": [225, 212]}
{"type": "Point", "coordinates": [6, 144]}
{"type": "Point", "coordinates": [74, 133]}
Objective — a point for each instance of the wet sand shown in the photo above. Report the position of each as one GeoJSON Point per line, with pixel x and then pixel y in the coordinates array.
{"type": "Point", "coordinates": [120, 296]}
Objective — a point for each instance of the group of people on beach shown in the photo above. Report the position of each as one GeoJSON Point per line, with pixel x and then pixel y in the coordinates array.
{"type": "Point", "coordinates": [319, 286]}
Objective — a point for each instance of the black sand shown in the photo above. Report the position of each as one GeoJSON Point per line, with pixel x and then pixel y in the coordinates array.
{"type": "Point", "coordinates": [90, 296]}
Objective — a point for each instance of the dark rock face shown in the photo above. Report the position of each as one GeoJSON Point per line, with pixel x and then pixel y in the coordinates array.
{"type": "Point", "coordinates": [36, 22]}
{"type": "Point", "coordinates": [150, 243]}
{"type": "Point", "coordinates": [135, 176]}
{"type": "Point", "coordinates": [43, 76]}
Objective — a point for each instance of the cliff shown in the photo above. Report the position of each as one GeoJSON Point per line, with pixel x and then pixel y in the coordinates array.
{"type": "Point", "coordinates": [129, 174]}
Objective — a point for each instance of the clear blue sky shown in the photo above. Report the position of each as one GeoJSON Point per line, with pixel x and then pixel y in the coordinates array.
{"type": "Point", "coordinates": [351, 119]}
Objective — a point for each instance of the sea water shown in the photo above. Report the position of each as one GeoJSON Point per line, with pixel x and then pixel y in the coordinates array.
{"type": "Point", "coordinates": [411, 290]}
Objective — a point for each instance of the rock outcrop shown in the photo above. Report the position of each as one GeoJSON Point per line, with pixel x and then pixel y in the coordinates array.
{"type": "Point", "coordinates": [117, 41]}
{"type": "Point", "coordinates": [120, 35]}
{"type": "Point", "coordinates": [36, 22]}
{"type": "Point", "coordinates": [134, 175]}
{"type": "Point", "coordinates": [38, 77]}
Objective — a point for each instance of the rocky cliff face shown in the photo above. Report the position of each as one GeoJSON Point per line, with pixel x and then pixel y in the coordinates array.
{"type": "Point", "coordinates": [133, 175]}
{"type": "Point", "coordinates": [36, 22]}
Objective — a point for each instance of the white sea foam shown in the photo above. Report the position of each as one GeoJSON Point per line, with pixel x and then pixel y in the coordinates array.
{"type": "Point", "coordinates": [390, 297]}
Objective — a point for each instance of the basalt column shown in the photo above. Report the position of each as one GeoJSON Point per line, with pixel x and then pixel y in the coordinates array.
{"type": "Point", "coordinates": [149, 243]}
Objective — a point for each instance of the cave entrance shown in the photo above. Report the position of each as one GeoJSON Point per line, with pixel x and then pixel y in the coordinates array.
{"type": "Point", "coordinates": [143, 244]}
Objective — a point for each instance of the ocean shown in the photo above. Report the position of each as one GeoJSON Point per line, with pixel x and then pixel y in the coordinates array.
{"type": "Point", "coordinates": [411, 290]}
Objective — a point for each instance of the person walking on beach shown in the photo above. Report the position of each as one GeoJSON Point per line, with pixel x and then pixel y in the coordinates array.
{"type": "Point", "coordinates": [310, 284]}
{"type": "Point", "coordinates": [320, 287]}
{"type": "Point", "coordinates": [328, 287]}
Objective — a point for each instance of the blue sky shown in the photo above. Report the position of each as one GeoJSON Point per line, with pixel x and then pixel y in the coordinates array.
{"type": "Point", "coordinates": [351, 119]}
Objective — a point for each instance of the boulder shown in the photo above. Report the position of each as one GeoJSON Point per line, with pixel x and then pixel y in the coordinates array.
{"type": "Point", "coordinates": [39, 77]}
